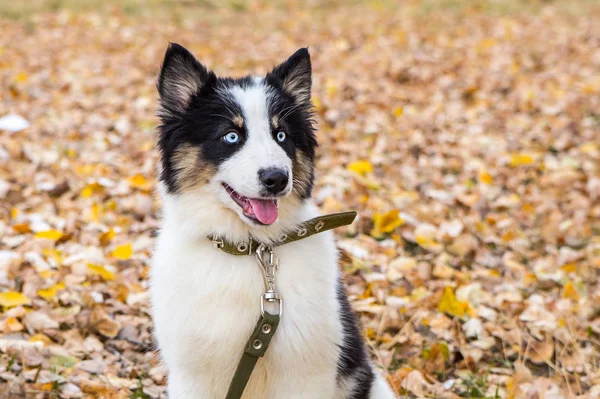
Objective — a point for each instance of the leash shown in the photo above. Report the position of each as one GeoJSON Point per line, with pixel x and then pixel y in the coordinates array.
{"type": "Point", "coordinates": [268, 263]}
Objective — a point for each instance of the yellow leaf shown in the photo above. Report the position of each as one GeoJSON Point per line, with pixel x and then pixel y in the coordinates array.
{"type": "Point", "coordinates": [46, 274]}
{"type": "Point", "coordinates": [101, 271]}
{"type": "Point", "coordinates": [398, 111]}
{"type": "Point", "coordinates": [436, 350]}
{"type": "Point", "coordinates": [11, 299]}
{"type": "Point", "coordinates": [569, 268]}
{"type": "Point", "coordinates": [41, 338]}
{"type": "Point", "coordinates": [508, 236]}
{"type": "Point", "coordinates": [331, 87]}
{"type": "Point", "coordinates": [138, 181]}
{"type": "Point", "coordinates": [14, 212]}
{"type": "Point", "coordinates": [11, 325]}
{"type": "Point", "coordinates": [361, 167]}
{"type": "Point", "coordinates": [371, 333]}
{"type": "Point", "coordinates": [317, 104]}
{"type": "Point", "coordinates": [123, 252]}
{"type": "Point", "coordinates": [110, 205]}
{"type": "Point", "coordinates": [367, 293]}
{"type": "Point", "coordinates": [54, 254]}
{"type": "Point", "coordinates": [50, 292]}
{"type": "Point", "coordinates": [71, 153]}
{"type": "Point", "coordinates": [21, 228]}
{"type": "Point", "coordinates": [94, 212]}
{"type": "Point", "coordinates": [91, 189]}
{"type": "Point", "coordinates": [449, 304]}
{"type": "Point", "coordinates": [528, 208]}
{"type": "Point", "coordinates": [486, 178]}
{"type": "Point", "coordinates": [428, 243]}
{"type": "Point", "coordinates": [530, 278]}
{"type": "Point", "coordinates": [53, 235]}
{"type": "Point", "coordinates": [569, 292]}
{"type": "Point", "coordinates": [520, 159]}
{"type": "Point", "coordinates": [386, 223]}
{"type": "Point", "coordinates": [590, 148]}
{"type": "Point", "coordinates": [486, 44]}
{"type": "Point", "coordinates": [106, 237]}
{"type": "Point", "coordinates": [21, 77]}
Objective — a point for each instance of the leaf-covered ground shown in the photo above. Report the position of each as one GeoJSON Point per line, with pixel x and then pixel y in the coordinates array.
{"type": "Point", "coordinates": [468, 138]}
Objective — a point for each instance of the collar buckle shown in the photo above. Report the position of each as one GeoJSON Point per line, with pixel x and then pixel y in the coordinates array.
{"type": "Point", "coordinates": [217, 243]}
{"type": "Point", "coordinates": [269, 264]}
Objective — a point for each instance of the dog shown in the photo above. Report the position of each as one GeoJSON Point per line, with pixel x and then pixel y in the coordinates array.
{"type": "Point", "coordinates": [237, 162]}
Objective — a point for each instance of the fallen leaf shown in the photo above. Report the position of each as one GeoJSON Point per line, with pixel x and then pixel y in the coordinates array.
{"type": "Point", "coordinates": [449, 304]}
{"type": "Point", "coordinates": [140, 182]}
{"type": "Point", "coordinates": [106, 237]}
{"type": "Point", "coordinates": [11, 299]}
{"type": "Point", "coordinates": [50, 292]}
{"type": "Point", "coordinates": [53, 235]}
{"type": "Point", "coordinates": [123, 252]}
{"type": "Point", "coordinates": [520, 160]}
{"type": "Point", "coordinates": [569, 292]}
{"type": "Point", "coordinates": [361, 167]}
{"type": "Point", "coordinates": [539, 351]}
{"type": "Point", "coordinates": [101, 271]}
{"type": "Point", "coordinates": [386, 223]}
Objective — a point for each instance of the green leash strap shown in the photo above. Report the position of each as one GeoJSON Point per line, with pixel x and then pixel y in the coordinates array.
{"type": "Point", "coordinates": [267, 324]}
{"type": "Point", "coordinates": [305, 230]}
{"type": "Point", "coordinates": [256, 347]}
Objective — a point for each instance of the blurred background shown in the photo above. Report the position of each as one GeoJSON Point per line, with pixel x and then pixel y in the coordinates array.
{"type": "Point", "coordinates": [465, 133]}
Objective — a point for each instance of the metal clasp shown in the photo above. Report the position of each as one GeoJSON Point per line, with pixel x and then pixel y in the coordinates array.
{"type": "Point", "coordinates": [269, 264]}
{"type": "Point", "coordinates": [217, 243]}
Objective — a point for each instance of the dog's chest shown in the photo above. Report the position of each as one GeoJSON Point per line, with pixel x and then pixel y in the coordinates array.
{"type": "Point", "coordinates": [207, 303]}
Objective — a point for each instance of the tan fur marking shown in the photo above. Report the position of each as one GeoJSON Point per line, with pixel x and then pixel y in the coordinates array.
{"type": "Point", "coordinates": [302, 173]}
{"type": "Point", "coordinates": [275, 121]}
{"type": "Point", "coordinates": [238, 121]}
{"type": "Point", "coordinates": [191, 171]}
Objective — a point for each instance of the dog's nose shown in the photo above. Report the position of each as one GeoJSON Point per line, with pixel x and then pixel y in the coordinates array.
{"type": "Point", "coordinates": [273, 179]}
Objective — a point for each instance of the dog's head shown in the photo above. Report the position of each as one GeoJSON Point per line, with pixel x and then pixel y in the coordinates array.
{"type": "Point", "coordinates": [246, 143]}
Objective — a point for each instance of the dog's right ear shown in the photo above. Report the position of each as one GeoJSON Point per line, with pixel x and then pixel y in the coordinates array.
{"type": "Point", "coordinates": [181, 77]}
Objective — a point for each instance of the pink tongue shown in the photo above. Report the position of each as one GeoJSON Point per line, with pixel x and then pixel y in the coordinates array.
{"type": "Point", "coordinates": [264, 210]}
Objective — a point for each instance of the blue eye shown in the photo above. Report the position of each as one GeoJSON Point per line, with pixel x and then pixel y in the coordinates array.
{"type": "Point", "coordinates": [281, 136]}
{"type": "Point", "coordinates": [231, 138]}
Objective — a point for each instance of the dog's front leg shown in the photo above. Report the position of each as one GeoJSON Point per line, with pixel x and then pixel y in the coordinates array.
{"type": "Point", "coordinates": [307, 387]}
{"type": "Point", "coordinates": [182, 386]}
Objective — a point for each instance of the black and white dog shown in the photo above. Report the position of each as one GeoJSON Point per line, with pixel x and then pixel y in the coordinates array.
{"type": "Point", "coordinates": [238, 162]}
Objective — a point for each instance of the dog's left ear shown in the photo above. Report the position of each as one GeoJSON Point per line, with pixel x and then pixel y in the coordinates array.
{"type": "Point", "coordinates": [295, 75]}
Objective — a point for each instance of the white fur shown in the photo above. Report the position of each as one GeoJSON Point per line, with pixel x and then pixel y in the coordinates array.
{"type": "Point", "coordinates": [259, 152]}
{"type": "Point", "coordinates": [207, 302]}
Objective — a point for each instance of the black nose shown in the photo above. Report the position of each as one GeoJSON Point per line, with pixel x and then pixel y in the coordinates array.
{"type": "Point", "coordinates": [274, 180]}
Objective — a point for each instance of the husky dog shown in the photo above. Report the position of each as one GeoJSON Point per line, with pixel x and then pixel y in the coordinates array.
{"type": "Point", "coordinates": [238, 162]}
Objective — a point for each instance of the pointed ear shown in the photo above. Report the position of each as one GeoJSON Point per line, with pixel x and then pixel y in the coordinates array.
{"type": "Point", "coordinates": [181, 77]}
{"type": "Point", "coordinates": [295, 75]}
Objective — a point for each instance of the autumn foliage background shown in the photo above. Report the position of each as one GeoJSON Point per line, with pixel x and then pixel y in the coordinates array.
{"type": "Point", "coordinates": [466, 135]}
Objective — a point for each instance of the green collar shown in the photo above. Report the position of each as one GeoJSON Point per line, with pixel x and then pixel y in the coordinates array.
{"type": "Point", "coordinates": [304, 230]}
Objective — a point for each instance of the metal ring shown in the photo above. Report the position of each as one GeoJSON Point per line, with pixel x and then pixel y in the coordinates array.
{"type": "Point", "coordinates": [257, 344]}
{"type": "Point", "coordinates": [266, 328]}
{"type": "Point", "coordinates": [218, 244]}
{"type": "Point", "coordinates": [319, 225]}
{"type": "Point", "coordinates": [283, 237]}
{"type": "Point", "coordinates": [242, 247]}
{"type": "Point", "coordinates": [302, 232]}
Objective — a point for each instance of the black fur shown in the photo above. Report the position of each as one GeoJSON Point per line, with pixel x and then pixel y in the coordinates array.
{"type": "Point", "coordinates": [205, 115]}
{"type": "Point", "coordinates": [354, 361]}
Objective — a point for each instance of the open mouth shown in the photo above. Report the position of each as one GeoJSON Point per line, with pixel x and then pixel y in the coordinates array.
{"type": "Point", "coordinates": [260, 210]}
